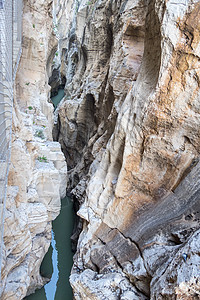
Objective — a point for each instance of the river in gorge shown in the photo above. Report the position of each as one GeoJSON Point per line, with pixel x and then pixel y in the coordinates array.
{"type": "Point", "coordinates": [59, 258]}
{"type": "Point", "coordinates": [57, 98]}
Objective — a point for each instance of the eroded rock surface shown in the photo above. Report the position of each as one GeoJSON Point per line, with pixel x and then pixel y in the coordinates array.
{"type": "Point", "coordinates": [129, 127]}
{"type": "Point", "coordinates": [38, 171]}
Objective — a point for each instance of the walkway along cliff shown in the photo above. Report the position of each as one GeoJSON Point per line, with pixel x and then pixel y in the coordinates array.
{"type": "Point", "coordinates": [10, 53]}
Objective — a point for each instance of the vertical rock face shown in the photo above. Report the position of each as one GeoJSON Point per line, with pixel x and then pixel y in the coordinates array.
{"type": "Point", "coordinates": [129, 126]}
{"type": "Point", "coordinates": [38, 171]}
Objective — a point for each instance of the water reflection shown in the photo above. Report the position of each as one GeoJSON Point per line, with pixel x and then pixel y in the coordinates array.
{"type": "Point", "coordinates": [63, 227]}
{"type": "Point", "coordinates": [59, 258]}
{"type": "Point", "coordinates": [50, 288]}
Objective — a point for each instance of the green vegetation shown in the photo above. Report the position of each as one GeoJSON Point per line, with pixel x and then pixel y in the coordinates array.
{"type": "Point", "coordinates": [33, 25]}
{"type": "Point", "coordinates": [90, 2]}
{"type": "Point", "coordinates": [30, 107]}
{"type": "Point", "coordinates": [40, 134]}
{"type": "Point", "coordinates": [42, 159]}
{"type": "Point", "coordinates": [27, 83]}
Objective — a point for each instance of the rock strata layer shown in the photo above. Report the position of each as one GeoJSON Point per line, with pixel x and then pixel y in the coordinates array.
{"type": "Point", "coordinates": [129, 128]}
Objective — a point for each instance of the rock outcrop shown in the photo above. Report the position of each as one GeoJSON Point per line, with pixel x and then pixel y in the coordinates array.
{"type": "Point", "coordinates": [38, 171]}
{"type": "Point", "coordinates": [129, 128]}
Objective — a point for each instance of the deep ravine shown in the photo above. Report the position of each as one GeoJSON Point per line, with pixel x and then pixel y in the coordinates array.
{"type": "Point", "coordinates": [128, 127]}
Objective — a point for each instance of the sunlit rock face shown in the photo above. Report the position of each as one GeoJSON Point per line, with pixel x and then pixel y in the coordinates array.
{"type": "Point", "coordinates": [38, 172]}
{"type": "Point", "coordinates": [129, 127]}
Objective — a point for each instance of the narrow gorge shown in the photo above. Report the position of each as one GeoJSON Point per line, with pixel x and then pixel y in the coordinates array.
{"type": "Point", "coordinates": [106, 111]}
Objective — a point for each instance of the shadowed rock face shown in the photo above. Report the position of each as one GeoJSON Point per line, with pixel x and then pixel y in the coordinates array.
{"type": "Point", "coordinates": [129, 127]}
{"type": "Point", "coordinates": [181, 206]}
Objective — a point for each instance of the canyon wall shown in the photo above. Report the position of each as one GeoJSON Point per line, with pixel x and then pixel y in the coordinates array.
{"type": "Point", "coordinates": [129, 128]}
{"type": "Point", "coordinates": [38, 172]}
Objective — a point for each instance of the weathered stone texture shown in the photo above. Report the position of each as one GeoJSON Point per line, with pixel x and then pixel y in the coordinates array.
{"type": "Point", "coordinates": [129, 126]}
{"type": "Point", "coordinates": [38, 171]}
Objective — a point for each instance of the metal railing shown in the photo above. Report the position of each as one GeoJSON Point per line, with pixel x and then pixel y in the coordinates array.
{"type": "Point", "coordinates": [10, 52]}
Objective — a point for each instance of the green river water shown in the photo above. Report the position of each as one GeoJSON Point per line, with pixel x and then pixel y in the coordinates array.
{"type": "Point", "coordinates": [58, 260]}
{"type": "Point", "coordinates": [56, 99]}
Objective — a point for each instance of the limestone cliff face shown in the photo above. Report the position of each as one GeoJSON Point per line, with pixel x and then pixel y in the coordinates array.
{"type": "Point", "coordinates": [129, 126]}
{"type": "Point", "coordinates": [38, 171]}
